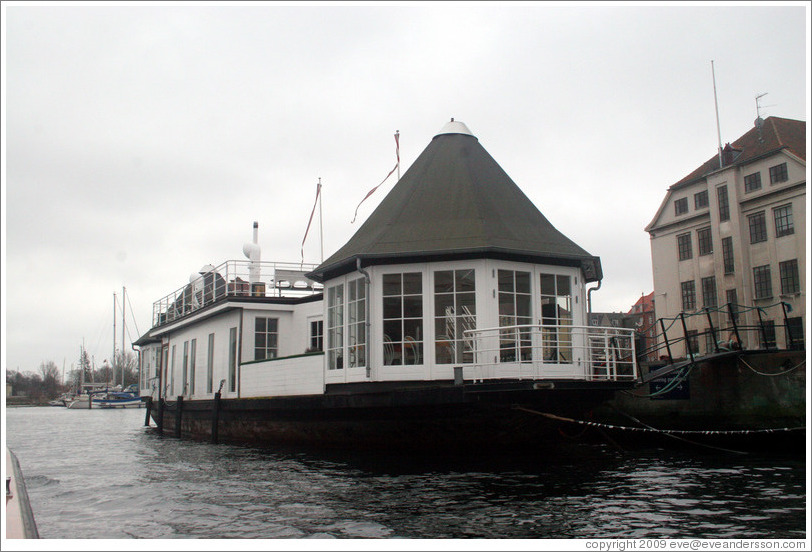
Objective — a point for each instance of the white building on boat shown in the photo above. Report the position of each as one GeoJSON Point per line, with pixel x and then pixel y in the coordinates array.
{"type": "Point", "coordinates": [455, 292]}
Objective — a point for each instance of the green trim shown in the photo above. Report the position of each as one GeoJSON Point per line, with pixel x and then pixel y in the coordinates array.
{"type": "Point", "coordinates": [318, 353]}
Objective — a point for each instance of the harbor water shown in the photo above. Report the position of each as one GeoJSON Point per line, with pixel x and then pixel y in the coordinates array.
{"type": "Point", "coordinates": [100, 474]}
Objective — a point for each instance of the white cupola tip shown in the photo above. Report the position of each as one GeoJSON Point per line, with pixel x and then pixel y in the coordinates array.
{"type": "Point", "coordinates": [455, 127]}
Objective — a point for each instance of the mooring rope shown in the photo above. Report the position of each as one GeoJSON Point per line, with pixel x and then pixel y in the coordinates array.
{"type": "Point", "coordinates": [776, 374]}
{"type": "Point", "coordinates": [655, 430]}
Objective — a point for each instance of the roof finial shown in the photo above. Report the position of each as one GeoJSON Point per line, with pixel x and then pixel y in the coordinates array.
{"type": "Point", "coordinates": [452, 119]}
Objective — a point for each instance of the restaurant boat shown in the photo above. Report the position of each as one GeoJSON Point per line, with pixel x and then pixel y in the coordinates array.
{"type": "Point", "coordinates": [456, 316]}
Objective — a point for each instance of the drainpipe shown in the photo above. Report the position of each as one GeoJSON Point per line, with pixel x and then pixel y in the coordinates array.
{"type": "Point", "coordinates": [367, 322]}
{"type": "Point", "coordinates": [589, 297]}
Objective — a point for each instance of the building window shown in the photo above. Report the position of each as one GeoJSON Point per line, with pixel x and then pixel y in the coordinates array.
{"type": "Point", "coordinates": [703, 236]}
{"type": "Point", "coordinates": [767, 334]}
{"type": "Point", "coordinates": [192, 364]}
{"type": "Point", "coordinates": [788, 271]}
{"type": "Point", "coordinates": [210, 365]}
{"type": "Point", "coordinates": [762, 283]}
{"type": "Point", "coordinates": [778, 173]}
{"type": "Point", "coordinates": [266, 338]}
{"type": "Point", "coordinates": [316, 335]}
{"type": "Point", "coordinates": [710, 343]}
{"type": "Point", "coordinates": [403, 318]}
{"type": "Point", "coordinates": [681, 206]}
{"type": "Point", "coordinates": [752, 182]}
{"type": "Point", "coordinates": [783, 221]}
{"type": "Point", "coordinates": [454, 313]}
{"type": "Point", "coordinates": [733, 301]}
{"type": "Point", "coordinates": [701, 199]}
{"type": "Point", "coordinates": [709, 291]}
{"type": "Point", "coordinates": [758, 227]}
{"type": "Point", "coordinates": [514, 309]}
{"type": "Point", "coordinates": [556, 318]}
{"type": "Point", "coordinates": [727, 255]}
{"type": "Point", "coordinates": [684, 247]}
{"type": "Point", "coordinates": [688, 295]}
{"type": "Point", "coordinates": [724, 205]}
{"type": "Point", "coordinates": [357, 321]}
{"type": "Point", "coordinates": [335, 327]}
{"type": "Point", "coordinates": [232, 360]}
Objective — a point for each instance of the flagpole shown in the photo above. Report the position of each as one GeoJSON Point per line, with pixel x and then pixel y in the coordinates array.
{"type": "Point", "coordinates": [397, 150]}
{"type": "Point", "coordinates": [321, 225]}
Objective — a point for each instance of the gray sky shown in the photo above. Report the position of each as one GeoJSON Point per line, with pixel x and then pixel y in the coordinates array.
{"type": "Point", "coordinates": [141, 142]}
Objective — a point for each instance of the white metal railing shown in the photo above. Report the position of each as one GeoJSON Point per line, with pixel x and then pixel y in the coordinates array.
{"type": "Point", "coordinates": [235, 279]}
{"type": "Point", "coordinates": [552, 351]}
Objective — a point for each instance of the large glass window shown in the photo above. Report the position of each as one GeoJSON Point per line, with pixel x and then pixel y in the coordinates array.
{"type": "Point", "coordinates": [784, 225]}
{"type": "Point", "coordinates": [335, 327]}
{"type": "Point", "coordinates": [356, 323]}
{"type": "Point", "coordinates": [762, 283]}
{"type": "Point", "coordinates": [727, 255]}
{"type": "Point", "coordinates": [758, 227]}
{"type": "Point", "coordinates": [232, 360]}
{"type": "Point", "coordinates": [266, 338]}
{"type": "Point", "coordinates": [684, 247]}
{"type": "Point", "coordinates": [454, 313]}
{"type": "Point", "coordinates": [403, 318]}
{"type": "Point", "coordinates": [514, 310]}
{"type": "Point", "coordinates": [703, 236]}
{"type": "Point", "coordinates": [788, 271]}
{"type": "Point", "coordinates": [724, 204]}
{"type": "Point", "coordinates": [688, 295]}
{"type": "Point", "coordinates": [556, 315]}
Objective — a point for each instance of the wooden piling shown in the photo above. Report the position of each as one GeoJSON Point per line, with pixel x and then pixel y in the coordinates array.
{"type": "Point", "coordinates": [148, 406]}
{"type": "Point", "coordinates": [215, 418]}
{"type": "Point", "coordinates": [178, 415]}
{"type": "Point", "coordinates": [160, 419]}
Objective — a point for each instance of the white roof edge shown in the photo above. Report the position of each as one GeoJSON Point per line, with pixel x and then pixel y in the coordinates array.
{"type": "Point", "coordinates": [455, 127]}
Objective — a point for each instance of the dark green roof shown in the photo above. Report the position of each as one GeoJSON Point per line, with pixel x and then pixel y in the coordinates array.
{"type": "Point", "coordinates": [455, 201]}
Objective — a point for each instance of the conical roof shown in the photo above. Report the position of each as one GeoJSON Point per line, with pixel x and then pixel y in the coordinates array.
{"type": "Point", "coordinates": [456, 202]}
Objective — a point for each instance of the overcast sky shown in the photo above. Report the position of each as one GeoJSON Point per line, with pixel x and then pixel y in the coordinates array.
{"type": "Point", "coordinates": [141, 142]}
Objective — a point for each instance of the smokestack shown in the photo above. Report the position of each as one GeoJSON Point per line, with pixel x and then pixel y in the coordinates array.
{"type": "Point", "coordinates": [252, 251]}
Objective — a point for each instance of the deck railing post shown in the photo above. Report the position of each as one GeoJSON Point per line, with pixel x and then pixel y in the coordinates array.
{"type": "Point", "coordinates": [712, 330]}
{"type": "Point", "coordinates": [735, 323]}
{"type": "Point", "coordinates": [687, 339]}
{"type": "Point", "coordinates": [787, 332]}
{"type": "Point", "coordinates": [762, 328]}
{"type": "Point", "coordinates": [667, 345]}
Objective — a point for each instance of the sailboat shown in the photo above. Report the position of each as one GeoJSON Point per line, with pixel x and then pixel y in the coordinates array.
{"type": "Point", "coordinates": [118, 397]}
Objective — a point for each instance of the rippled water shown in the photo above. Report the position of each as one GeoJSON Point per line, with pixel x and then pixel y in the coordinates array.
{"type": "Point", "coordinates": [102, 474]}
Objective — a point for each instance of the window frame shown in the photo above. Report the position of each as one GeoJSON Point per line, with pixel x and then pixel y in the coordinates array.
{"type": "Point", "coordinates": [728, 258]}
{"type": "Point", "coordinates": [685, 247]}
{"type": "Point", "coordinates": [270, 346]}
{"type": "Point", "coordinates": [701, 200]}
{"type": "Point", "coordinates": [688, 295]}
{"type": "Point", "coordinates": [784, 223]}
{"type": "Point", "coordinates": [752, 182]}
{"type": "Point", "coordinates": [762, 282]}
{"type": "Point", "coordinates": [704, 238]}
{"type": "Point", "coordinates": [709, 298]}
{"type": "Point", "coordinates": [724, 203]}
{"type": "Point", "coordinates": [789, 276]}
{"type": "Point", "coordinates": [779, 173]}
{"type": "Point", "coordinates": [680, 206]}
{"type": "Point", "coordinates": [757, 225]}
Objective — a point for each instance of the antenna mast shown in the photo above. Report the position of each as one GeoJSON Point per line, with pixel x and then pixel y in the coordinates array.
{"type": "Point", "coordinates": [758, 107]}
{"type": "Point", "coordinates": [716, 103]}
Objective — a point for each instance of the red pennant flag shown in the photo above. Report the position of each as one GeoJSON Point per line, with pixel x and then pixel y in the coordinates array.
{"type": "Point", "coordinates": [372, 191]}
{"type": "Point", "coordinates": [318, 191]}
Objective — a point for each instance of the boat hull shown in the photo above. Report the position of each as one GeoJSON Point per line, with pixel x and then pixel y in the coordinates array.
{"type": "Point", "coordinates": [512, 414]}
{"type": "Point", "coordinates": [118, 403]}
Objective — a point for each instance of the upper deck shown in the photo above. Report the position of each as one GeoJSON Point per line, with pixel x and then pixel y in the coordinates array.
{"type": "Point", "coordinates": [254, 279]}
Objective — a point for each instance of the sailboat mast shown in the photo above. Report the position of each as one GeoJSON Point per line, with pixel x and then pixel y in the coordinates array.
{"type": "Point", "coordinates": [113, 358]}
{"type": "Point", "coordinates": [321, 225]}
{"type": "Point", "coordinates": [123, 328]}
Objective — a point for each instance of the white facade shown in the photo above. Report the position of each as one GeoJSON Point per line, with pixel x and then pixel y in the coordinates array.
{"type": "Point", "coordinates": [723, 255]}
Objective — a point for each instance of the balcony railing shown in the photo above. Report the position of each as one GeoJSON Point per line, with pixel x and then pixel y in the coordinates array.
{"type": "Point", "coordinates": [235, 279]}
{"type": "Point", "coordinates": [549, 351]}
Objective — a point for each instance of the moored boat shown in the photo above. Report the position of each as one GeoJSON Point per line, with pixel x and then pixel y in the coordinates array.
{"type": "Point", "coordinates": [453, 316]}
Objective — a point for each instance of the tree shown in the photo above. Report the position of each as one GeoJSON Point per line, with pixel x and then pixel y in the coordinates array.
{"type": "Point", "coordinates": [50, 379]}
